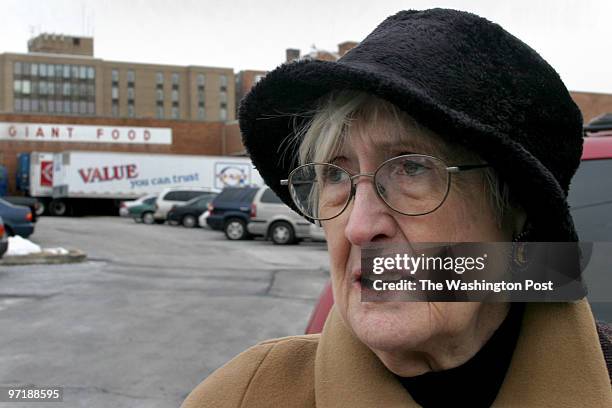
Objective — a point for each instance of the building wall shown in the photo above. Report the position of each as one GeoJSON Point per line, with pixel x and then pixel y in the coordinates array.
{"type": "Point", "coordinates": [188, 137]}
{"type": "Point", "coordinates": [145, 87]}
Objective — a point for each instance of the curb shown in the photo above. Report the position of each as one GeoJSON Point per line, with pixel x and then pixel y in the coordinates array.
{"type": "Point", "coordinates": [42, 258]}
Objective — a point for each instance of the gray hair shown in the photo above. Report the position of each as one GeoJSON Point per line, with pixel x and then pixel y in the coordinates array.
{"type": "Point", "coordinates": [322, 136]}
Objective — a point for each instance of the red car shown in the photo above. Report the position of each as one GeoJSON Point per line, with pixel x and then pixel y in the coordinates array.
{"type": "Point", "coordinates": [590, 200]}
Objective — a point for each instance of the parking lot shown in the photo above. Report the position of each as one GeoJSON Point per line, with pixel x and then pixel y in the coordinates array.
{"type": "Point", "coordinates": [154, 310]}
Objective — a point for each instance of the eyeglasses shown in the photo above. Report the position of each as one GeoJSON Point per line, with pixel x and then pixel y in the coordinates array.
{"type": "Point", "coordinates": [411, 184]}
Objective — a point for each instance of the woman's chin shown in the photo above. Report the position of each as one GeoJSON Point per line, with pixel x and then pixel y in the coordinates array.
{"type": "Point", "coordinates": [390, 325]}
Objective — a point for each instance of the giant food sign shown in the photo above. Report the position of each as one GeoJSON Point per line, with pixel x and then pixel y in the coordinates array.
{"type": "Point", "coordinates": [46, 132]}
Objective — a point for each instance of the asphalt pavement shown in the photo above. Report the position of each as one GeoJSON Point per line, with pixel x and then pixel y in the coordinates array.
{"type": "Point", "coordinates": [153, 311]}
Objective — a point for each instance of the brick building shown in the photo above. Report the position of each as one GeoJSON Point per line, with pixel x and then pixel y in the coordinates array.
{"type": "Point", "coordinates": [60, 76]}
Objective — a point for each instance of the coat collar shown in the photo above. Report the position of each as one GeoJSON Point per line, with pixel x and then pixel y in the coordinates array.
{"type": "Point", "coordinates": [557, 362]}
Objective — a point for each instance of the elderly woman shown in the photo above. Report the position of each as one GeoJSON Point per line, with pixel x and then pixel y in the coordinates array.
{"type": "Point", "coordinates": [490, 138]}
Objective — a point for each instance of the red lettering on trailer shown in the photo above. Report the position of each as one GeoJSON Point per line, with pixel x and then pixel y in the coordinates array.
{"type": "Point", "coordinates": [109, 173]}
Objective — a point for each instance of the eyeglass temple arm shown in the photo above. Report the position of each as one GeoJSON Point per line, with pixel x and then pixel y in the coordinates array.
{"type": "Point", "coordinates": [457, 169]}
{"type": "Point", "coordinates": [284, 182]}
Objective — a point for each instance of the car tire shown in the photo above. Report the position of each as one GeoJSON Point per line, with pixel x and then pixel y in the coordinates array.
{"type": "Point", "coordinates": [58, 208]}
{"type": "Point", "coordinates": [189, 221]}
{"type": "Point", "coordinates": [282, 233]}
{"type": "Point", "coordinates": [235, 229]}
{"type": "Point", "coordinates": [147, 218]}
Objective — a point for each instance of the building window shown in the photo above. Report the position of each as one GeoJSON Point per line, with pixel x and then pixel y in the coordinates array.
{"type": "Point", "coordinates": [131, 77]}
{"type": "Point", "coordinates": [175, 80]}
{"type": "Point", "coordinates": [115, 93]}
{"type": "Point", "coordinates": [17, 104]}
{"type": "Point", "coordinates": [223, 113]}
{"type": "Point", "coordinates": [51, 106]}
{"type": "Point", "coordinates": [66, 106]}
{"type": "Point", "coordinates": [66, 89]}
{"type": "Point", "coordinates": [160, 95]}
{"type": "Point", "coordinates": [201, 113]}
{"type": "Point", "coordinates": [82, 72]}
{"type": "Point", "coordinates": [34, 106]}
{"type": "Point", "coordinates": [160, 111]}
{"type": "Point", "coordinates": [223, 97]}
{"type": "Point", "coordinates": [66, 71]}
{"type": "Point", "coordinates": [82, 107]}
{"type": "Point", "coordinates": [175, 95]}
{"type": "Point", "coordinates": [130, 110]}
{"type": "Point", "coordinates": [91, 108]}
{"type": "Point", "coordinates": [42, 70]}
{"type": "Point", "coordinates": [75, 107]}
{"type": "Point", "coordinates": [130, 94]}
{"type": "Point", "coordinates": [175, 112]}
{"type": "Point", "coordinates": [91, 73]}
{"type": "Point", "coordinates": [223, 83]}
{"type": "Point", "coordinates": [59, 69]}
{"type": "Point", "coordinates": [25, 87]}
{"type": "Point", "coordinates": [115, 76]}
{"type": "Point", "coordinates": [159, 78]}
{"type": "Point", "coordinates": [115, 108]}
{"type": "Point", "coordinates": [201, 80]}
{"type": "Point", "coordinates": [17, 86]}
{"type": "Point", "coordinates": [17, 68]}
{"type": "Point", "coordinates": [74, 72]}
{"type": "Point", "coordinates": [34, 69]}
{"type": "Point", "coordinates": [26, 105]}
{"type": "Point", "coordinates": [42, 88]}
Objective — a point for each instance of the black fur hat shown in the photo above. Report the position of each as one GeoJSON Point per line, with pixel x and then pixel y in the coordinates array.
{"type": "Point", "coordinates": [461, 76]}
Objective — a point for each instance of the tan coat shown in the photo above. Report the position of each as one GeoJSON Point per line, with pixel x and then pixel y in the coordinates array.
{"type": "Point", "coordinates": [557, 362]}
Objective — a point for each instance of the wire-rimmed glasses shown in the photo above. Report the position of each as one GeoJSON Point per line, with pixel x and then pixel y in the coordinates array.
{"type": "Point", "coordinates": [410, 184]}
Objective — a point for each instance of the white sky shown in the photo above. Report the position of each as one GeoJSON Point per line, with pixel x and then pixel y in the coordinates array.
{"type": "Point", "coordinates": [574, 36]}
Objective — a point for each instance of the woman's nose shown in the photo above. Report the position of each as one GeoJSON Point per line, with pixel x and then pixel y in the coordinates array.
{"type": "Point", "coordinates": [369, 218]}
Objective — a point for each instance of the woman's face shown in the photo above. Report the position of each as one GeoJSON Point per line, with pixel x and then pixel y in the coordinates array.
{"type": "Point", "coordinates": [465, 216]}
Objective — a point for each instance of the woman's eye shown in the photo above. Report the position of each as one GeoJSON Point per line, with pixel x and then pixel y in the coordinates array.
{"type": "Point", "coordinates": [412, 168]}
{"type": "Point", "coordinates": [334, 175]}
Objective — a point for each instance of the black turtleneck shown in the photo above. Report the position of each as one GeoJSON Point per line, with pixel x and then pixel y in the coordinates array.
{"type": "Point", "coordinates": [475, 383]}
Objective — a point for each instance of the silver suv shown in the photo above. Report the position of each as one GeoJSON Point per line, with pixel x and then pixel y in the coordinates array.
{"type": "Point", "coordinates": [271, 218]}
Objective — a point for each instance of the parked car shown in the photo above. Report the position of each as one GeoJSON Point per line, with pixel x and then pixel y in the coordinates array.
{"type": "Point", "coordinates": [176, 195]}
{"type": "Point", "coordinates": [274, 220]}
{"type": "Point", "coordinates": [590, 200]}
{"type": "Point", "coordinates": [188, 213]}
{"type": "Point", "coordinates": [317, 233]}
{"type": "Point", "coordinates": [29, 202]}
{"type": "Point", "coordinates": [124, 207]}
{"type": "Point", "coordinates": [3, 239]}
{"type": "Point", "coordinates": [144, 211]}
{"type": "Point", "coordinates": [230, 211]}
{"type": "Point", "coordinates": [202, 219]}
{"type": "Point", "coordinates": [17, 219]}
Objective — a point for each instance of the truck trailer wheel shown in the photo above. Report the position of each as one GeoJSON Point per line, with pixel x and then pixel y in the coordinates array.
{"type": "Point", "coordinates": [58, 208]}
